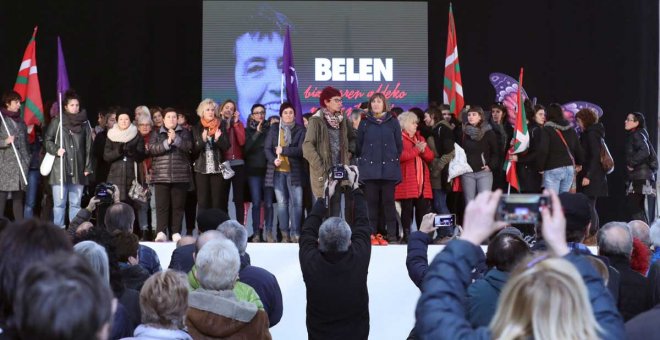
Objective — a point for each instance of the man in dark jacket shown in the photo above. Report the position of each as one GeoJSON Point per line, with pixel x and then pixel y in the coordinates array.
{"type": "Point", "coordinates": [616, 243]}
{"type": "Point", "coordinates": [182, 258]}
{"type": "Point", "coordinates": [334, 259]}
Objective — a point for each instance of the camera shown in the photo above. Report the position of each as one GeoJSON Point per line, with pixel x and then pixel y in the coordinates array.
{"type": "Point", "coordinates": [104, 192]}
{"type": "Point", "coordinates": [444, 225]}
{"type": "Point", "coordinates": [338, 172]}
{"type": "Point", "coordinates": [521, 208]}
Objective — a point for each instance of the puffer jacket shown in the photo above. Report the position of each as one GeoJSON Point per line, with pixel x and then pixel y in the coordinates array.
{"type": "Point", "coordinates": [78, 156]}
{"type": "Point", "coordinates": [592, 168]}
{"type": "Point", "coordinates": [640, 156]}
{"type": "Point", "coordinates": [170, 163]}
{"type": "Point", "coordinates": [122, 150]}
{"type": "Point", "coordinates": [409, 160]}
{"type": "Point", "coordinates": [219, 147]}
{"type": "Point", "coordinates": [293, 152]}
{"type": "Point", "coordinates": [10, 173]}
{"type": "Point", "coordinates": [378, 148]}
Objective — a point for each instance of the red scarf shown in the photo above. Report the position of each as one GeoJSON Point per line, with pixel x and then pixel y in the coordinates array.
{"type": "Point", "coordinates": [212, 125]}
{"type": "Point", "coordinates": [419, 166]}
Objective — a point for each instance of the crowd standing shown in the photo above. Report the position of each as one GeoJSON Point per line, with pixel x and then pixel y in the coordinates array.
{"type": "Point", "coordinates": [338, 185]}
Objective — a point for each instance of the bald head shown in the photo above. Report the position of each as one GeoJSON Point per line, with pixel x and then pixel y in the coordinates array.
{"type": "Point", "coordinates": [614, 238]}
{"type": "Point", "coordinates": [206, 237]}
{"type": "Point", "coordinates": [640, 230]}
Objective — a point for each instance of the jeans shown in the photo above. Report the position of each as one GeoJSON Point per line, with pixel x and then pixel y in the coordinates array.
{"type": "Point", "coordinates": [142, 213]}
{"type": "Point", "coordinates": [475, 182]}
{"type": "Point", "coordinates": [269, 194]}
{"type": "Point", "coordinates": [559, 179]}
{"type": "Point", "coordinates": [31, 193]}
{"type": "Point", "coordinates": [236, 184]}
{"type": "Point", "coordinates": [440, 202]}
{"type": "Point", "coordinates": [256, 185]}
{"type": "Point", "coordinates": [152, 205]}
{"type": "Point", "coordinates": [288, 196]}
{"type": "Point", "coordinates": [72, 194]}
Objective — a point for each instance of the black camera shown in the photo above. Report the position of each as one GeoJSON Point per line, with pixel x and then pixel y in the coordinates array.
{"type": "Point", "coordinates": [521, 208]}
{"type": "Point", "coordinates": [338, 172]}
{"type": "Point", "coordinates": [104, 192]}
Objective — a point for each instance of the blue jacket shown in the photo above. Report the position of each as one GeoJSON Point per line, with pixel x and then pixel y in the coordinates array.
{"type": "Point", "coordinates": [293, 152]}
{"type": "Point", "coordinates": [378, 148]}
{"type": "Point", "coordinates": [266, 286]}
{"type": "Point", "coordinates": [441, 312]}
{"type": "Point", "coordinates": [482, 297]}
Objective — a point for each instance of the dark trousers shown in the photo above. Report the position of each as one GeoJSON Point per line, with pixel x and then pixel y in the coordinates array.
{"type": "Point", "coordinates": [636, 207]}
{"type": "Point", "coordinates": [237, 183]}
{"type": "Point", "coordinates": [208, 190]}
{"type": "Point", "coordinates": [170, 205]}
{"type": "Point", "coordinates": [380, 200]}
{"type": "Point", "coordinates": [17, 203]}
{"type": "Point", "coordinates": [595, 221]}
{"type": "Point", "coordinates": [421, 207]}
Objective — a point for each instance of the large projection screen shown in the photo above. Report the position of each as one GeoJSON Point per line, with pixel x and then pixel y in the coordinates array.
{"type": "Point", "coordinates": [358, 47]}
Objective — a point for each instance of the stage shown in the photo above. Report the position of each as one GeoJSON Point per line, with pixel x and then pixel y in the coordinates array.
{"type": "Point", "coordinates": [392, 296]}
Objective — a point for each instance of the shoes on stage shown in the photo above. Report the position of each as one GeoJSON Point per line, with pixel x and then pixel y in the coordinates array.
{"type": "Point", "coordinates": [147, 236]}
{"type": "Point", "coordinates": [161, 237]}
{"type": "Point", "coordinates": [378, 240]}
{"type": "Point", "coordinates": [286, 239]}
{"type": "Point", "coordinates": [270, 238]}
{"type": "Point", "coordinates": [176, 237]}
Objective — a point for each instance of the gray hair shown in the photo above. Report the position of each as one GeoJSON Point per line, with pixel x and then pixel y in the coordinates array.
{"type": "Point", "coordinates": [655, 233]}
{"type": "Point", "coordinates": [235, 232]}
{"type": "Point", "coordinates": [97, 257]}
{"type": "Point", "coordinates": [640, 230]}
{"type": "Point", "coordinates": [614, 238]}
{"type": "Point", "coordinates": [406, 118]}
{"type": "Point", "coordinates": [217, 265]}
{"type": "Point", "coordinates": [141, 111]}
{"type": "Point", "coordinates": [141, 119]}
{"type": "Point", "coordinates": [206, 237]}
{"type": "Point", "coordinates": [334, 235]}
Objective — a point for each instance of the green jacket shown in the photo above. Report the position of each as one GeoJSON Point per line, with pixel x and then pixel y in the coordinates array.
{"type": "Point", "coordinates": [243, 292]}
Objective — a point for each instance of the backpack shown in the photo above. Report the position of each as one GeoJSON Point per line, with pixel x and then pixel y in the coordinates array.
{"type": "Point", "coordinates": [606, 160]}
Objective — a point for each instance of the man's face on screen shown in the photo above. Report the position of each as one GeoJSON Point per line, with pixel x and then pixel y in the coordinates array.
{"type": "Point", "coordinates": [258, 72]}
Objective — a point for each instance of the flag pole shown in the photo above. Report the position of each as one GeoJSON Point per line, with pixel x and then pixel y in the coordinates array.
{"type": "Point", "coordinates": [13, 146]}
{"type": "Point", "coordinates": [279, 130]}
{"type": "Point", "coordinates": [61, 146]}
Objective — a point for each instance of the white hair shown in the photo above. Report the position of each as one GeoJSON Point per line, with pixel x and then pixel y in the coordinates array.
{"type": "Point", "coordinates": [406, 118]}
{"type": "Point", "coordinates": [334, 235]}
{"type": "Point", "coordinates": [96, 256]}
{"type": "Point", "coordinates": [217, 265]}
{"type": "Point", "coordinates": [655, 233]}
{"type": "Point", "coordinates": [235, 232]}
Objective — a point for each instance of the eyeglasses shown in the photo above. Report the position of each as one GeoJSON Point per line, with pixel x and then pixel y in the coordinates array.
{"type": "Point", "coordinates": [337, 100]}
{"type": "Point", "coordinates": [259, 112]}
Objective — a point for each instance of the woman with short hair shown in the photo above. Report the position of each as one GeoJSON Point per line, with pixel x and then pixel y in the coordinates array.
{"type": "Point", "coordinates": [592, 180]}
{"type": "Point", "coordinates": [145, 125]}
{"type": "Point", "coordinates": [14, 166]}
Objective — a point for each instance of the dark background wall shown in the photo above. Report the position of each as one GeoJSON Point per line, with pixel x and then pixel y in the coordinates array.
{"type": "Point", "coordinates": [149, 52]}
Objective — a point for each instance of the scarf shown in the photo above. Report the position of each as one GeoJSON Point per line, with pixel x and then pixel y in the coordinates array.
{"type": "Point", "coordinates": [286, 128]}
{"type": "Point", "coordinates": [15, 116]}
{"type": "Point", "coordinates": [122, 136]}
{"type": "Point", "coordinates": [378, 118]}
{"type": "Point", "coordinates": [332, 119]}
{"type": "Point", "coordinates": [419, 164]}
{"type": "Point", "coordinates": [562, 126]}
{"type": "Point", "coordinates": [74, 121]}
{"type": "Point", "coordinates": [476, 133]}
{"type": "Point", "coordinates": [211, 125]}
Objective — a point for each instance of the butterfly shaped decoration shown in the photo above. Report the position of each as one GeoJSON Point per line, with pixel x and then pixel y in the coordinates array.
{"type": "Point", "coordinates": [506, 92]}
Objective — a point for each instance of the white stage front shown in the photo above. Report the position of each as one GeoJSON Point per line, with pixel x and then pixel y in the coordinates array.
{"type": "Point", "coordinates": [392, 296]}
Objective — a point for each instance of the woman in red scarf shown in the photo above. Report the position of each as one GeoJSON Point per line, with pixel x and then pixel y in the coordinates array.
{"type": "Point", "coordinates": [414, 191]}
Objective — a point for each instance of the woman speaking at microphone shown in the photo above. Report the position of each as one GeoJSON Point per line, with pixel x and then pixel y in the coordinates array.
{"type": "Point", "coordinates": [170, 147]}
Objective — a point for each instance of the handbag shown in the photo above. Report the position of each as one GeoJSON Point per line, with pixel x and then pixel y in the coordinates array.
{"type": "Point", "coordinates": [459, 164]}
{"type": "Point", "coordinates": [47, 163]}
{"type": "Point", "coordinates": [606, 160]}
{"type": "Point", "coordinates": [573, 188]}
{"type": "Point", "coordinates": [138, 192]}
{"type": "Point", "coordinates": [226, 170]}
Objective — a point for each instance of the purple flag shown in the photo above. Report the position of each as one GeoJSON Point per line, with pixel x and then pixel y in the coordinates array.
{"type": "Point", "coordinates": [62, 75]}
{"type": "Point", "coordinates": [291, 79]}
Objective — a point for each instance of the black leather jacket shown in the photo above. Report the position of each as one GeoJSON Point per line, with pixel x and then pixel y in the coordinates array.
{"type": "Point", "coordinates": [78, 156]}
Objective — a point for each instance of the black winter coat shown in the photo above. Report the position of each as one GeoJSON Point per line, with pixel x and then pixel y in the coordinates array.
{"type": "Point", "coordinates": [592, 168]}
{"type": "Point", "coordinates": [218, 147]}
{"type": "Point", "coordinates": [293, 152]}
{"type": "Point", "coordinates": [443, 138]}
{"type": "Point", "coordinates": [253, 151]}
{"type": "Point", "coordinates": [170, 163]}
{"type": "Point", "coordinates": [529, 175]}
{"type": "Point", "coordinates": [122, 157]}
{"type": "Point", "coordinates": [78, 156]}
{"type": "Point", "coordinates": [552, 153]}
{"type": "Point", "coordinates": [481, 152]}
{"type": "Point", "coordinates": [640, 156]}
{"type": "Point", "coordinates": [378, 148]}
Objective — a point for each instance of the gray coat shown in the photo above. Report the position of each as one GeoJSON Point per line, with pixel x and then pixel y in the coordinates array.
{"type": "Point", "coordinates": [10, 174]}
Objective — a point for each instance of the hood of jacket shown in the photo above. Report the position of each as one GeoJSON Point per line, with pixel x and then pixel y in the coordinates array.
{"type": "Point", "coordinates": [597, 128]}
{"type": "Point", "coordinates": [496, 278]}
{"type": "Point", "coordinates": [220, 313]}
{"type": "Point", "coordinates": [122, 136]}
{"type": "Point", "coordinates": [152, 333]}
{"type": "Point", "coordinates": [563, 126]}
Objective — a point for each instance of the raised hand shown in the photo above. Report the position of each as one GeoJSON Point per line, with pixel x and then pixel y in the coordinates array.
{"type": "Point", "coordinates": [479, 222]}
{"type": "Point", "coordinates": [554, 226]}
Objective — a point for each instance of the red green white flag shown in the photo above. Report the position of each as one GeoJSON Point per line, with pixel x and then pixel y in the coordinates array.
{"type": "Point", "coordinates": [520, 140]}
{"type": "Point", "coordinates": [27, 85]}
{"type": "Point", "coordinates": [453, 85]}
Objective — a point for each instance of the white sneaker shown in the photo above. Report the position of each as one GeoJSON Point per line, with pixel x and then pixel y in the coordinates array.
{"type": "Point", "coordinates": [161, 237]}
{"type": "Point", "coordinates": [176, 237]}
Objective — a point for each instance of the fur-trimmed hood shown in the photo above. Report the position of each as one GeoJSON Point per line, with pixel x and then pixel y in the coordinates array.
{"type": "Point", "coordinates": [122, 136]}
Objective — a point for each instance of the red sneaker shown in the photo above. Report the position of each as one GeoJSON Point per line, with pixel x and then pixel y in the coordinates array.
{"type": "Point", "coordinates": [374, 241]}
{"type": "Point", "coordinates": [381, 240]}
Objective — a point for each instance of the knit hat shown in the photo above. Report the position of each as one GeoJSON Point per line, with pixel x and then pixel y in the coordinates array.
{"type": "Point", "coordinates": [577, 211]}
{"type": "Point", "coordinates": [328, 93]}
{"type": "Point", "coordinates": [210, 219]}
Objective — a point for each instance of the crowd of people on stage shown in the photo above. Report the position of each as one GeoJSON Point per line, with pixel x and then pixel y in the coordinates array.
{"type": "Point", "coordinates": [337, 186]}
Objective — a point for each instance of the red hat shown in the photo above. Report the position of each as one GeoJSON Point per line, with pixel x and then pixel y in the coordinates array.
{"type": "Point", "coordinates": [328, 93]}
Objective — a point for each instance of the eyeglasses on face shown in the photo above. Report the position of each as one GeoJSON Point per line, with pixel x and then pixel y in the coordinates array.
{"type": "Point", "coordinates": [337, 100]}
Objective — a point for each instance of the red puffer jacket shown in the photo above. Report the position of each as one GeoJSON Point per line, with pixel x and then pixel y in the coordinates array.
{"type": "Point", "coordinates": [412, 159]}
